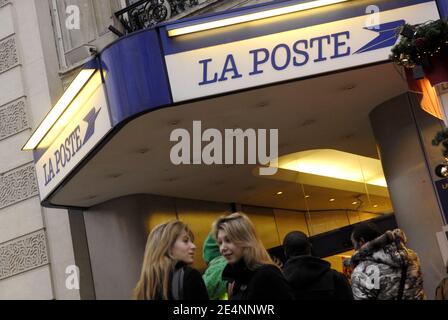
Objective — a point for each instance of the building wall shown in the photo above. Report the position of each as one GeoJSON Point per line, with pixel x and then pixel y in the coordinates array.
{"type": "Point", "coordinates": [35, 243]}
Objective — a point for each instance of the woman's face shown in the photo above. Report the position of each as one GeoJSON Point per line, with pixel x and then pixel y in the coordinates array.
{"type": "Point", "coordinates": [183, 249]}
{"type": "Point", "coordinates": [229, 250]}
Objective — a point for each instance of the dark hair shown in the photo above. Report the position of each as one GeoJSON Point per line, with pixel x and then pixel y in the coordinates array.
{"type": "Point", "coordinates": [296, 243]}
{"type": "Point", "coordinates": [366, 231]}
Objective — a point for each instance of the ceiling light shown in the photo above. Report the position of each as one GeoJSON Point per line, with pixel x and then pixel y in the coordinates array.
{"type": "Point", "coordinates": [336, 164]}
{"type": "Point", "coordinates": [173, 31]}
{"type": "Point", "coordinates": [348, 87]}
{"type": "Point", "coordinates": [262, 104]}
{"type": "Point", "coordinates": [375, 206]}
{"type": "Point", "coordinates": [308, 122]}
{"type": "Point", "coordinates": [55, 113]}
{"type": "Point", "coordinates": [332, 200]}
{"type": "Point", "coordinates": [307, 196]}
{"type": "Point", "coordinates": [355, 202]}
{"type": "Point", "coordinates": [442, 170]}
{"type": "Point", "coordinates": [279, 193]}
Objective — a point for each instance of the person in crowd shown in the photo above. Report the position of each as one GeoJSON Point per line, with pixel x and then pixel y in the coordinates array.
{"type": "Point", "coordinates": [442, 288]}
{"type": "Point", "coordinates": [383, 267]}
{"type": "Point", "coordinates": [312, 278]}
{"type": "Point", "coordinates": [251, 273]}
{"type": "Point", "coordinates": [216, 287]}
{"type": "Point", "coordinates": [166, 273]}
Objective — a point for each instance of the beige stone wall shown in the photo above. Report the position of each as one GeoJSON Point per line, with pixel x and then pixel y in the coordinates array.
{"type": "Point", "coordinates": [35, 243]}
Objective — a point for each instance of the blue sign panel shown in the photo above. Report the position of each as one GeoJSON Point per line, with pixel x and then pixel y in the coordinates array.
{"type": "Point", "coordinates": [442, 190]}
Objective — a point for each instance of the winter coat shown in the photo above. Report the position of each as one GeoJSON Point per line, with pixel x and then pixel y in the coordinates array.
{"type": "Point", "coordinates": [193, 285]}
{"type": "Point", "coordinates": [312, 278]}
{"type": "Point", "coordinates": [264, 283]}
{"type": "Point", "coordinates": [378, 267]}
{"type": "Point", "coordinates": [442, 290]}
{"type": "Point", "coordinates": [216, 287]}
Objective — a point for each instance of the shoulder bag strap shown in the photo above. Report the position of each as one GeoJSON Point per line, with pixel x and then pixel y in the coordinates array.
{"type": "Point", "coordinates": [177, 284]}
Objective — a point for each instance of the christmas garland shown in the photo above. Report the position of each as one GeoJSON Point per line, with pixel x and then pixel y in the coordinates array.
{"type": "Point", "coordinates": [442, 138]}
{"type": "Point", "coordinates": [419, 43]}
{"type": "Point", "coordinates": [415, 49]}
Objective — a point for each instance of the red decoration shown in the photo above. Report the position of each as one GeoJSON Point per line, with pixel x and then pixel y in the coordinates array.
{"type": "Point", "coordinates": [436, 72]}
{"type": "Point", "coordinates": [420, 43]}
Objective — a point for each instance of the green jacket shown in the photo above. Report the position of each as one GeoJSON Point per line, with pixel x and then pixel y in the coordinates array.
{"type": "Point", "coordinates": [216, 287]}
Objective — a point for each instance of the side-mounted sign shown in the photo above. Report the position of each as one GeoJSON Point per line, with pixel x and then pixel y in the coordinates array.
{"type": "Point", "coordinates": [290, 54]}
{"type": "Point", "coordinates": [84, 124]}
{"type": "Point", "coordinates": [442, 190]}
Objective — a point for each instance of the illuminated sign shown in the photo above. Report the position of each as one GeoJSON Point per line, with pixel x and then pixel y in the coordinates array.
{"type": "Point", "coordinates": [291, 54]}
{"type": "Point", "coordinates": [73, 136]}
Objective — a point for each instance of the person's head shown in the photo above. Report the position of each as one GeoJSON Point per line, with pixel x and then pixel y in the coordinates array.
{"type": "Point", "coordinates": [363, 233]}
{"type": "Point", "coordinates": [237, 239]}
{"type": "Point", "coordinates": [296, 243]}
{"type": "Point", "coordinates": [167, 244]}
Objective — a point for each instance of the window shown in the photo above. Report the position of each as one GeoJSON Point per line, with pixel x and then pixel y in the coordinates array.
{"type": "Point", "coordinates": [74, 34]}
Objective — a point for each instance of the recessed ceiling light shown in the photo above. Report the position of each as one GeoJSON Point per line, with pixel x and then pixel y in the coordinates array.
{"type": "Point", "coordinates": [348, 136]}
{"type": "Point", "coordinates": [375, 206]}
{"type": "Point", "coordinates": [354, 202]}
{"type": "Point", "coordinates": [307, 196]}
{"type": "Point", "coordinates": [115, 175]}
{"type": "Point", "coordinates": [308, 122]}
{"type": "Point", "coordinates": [143, 150]}
{"type": "Point", "coordinates": [262, 104]}
{"type": "Point", "coordinates": [332, 200]}
{"type": "Point", "coordinates": [349, 87]}
{"type": "Point", "coordinates": [279, 193]}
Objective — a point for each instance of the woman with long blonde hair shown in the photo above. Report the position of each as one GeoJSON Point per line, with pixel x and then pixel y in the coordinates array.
{"type": "Point", "coordinates": [250, 271]}
{"type": "Point", "coordinates": [166, 272]}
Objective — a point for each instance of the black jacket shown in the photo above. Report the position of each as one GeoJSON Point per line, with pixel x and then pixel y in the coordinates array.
{"type": "Point", "coordinates": [312, 278]}
{"type": "Point", "coordinates": [265, 283]}
{"type": "Point", "coordinates": [193, 285]}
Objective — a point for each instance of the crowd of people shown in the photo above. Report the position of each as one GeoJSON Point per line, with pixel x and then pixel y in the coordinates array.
{"type": "Point", "coordinates": [240, 268]}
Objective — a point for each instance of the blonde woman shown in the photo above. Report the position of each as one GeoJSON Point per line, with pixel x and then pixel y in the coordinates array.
{"type": "Point", "coordinates": [251, 273]}
{"type": "Point", "coordinates": [166, 274]}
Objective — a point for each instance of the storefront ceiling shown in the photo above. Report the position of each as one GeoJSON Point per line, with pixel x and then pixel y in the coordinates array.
{"type": "Point", "coordinates": [329, 112]}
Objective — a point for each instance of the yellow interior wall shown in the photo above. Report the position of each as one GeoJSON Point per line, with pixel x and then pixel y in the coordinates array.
{"type": "Point", "coordinates": [265, 225]}
{"type": "Point", "coordinates": [336, 260]}
{"type": "Point", "coordinates": [200, 216]}
{"type": "Point", "coordinates": [356, 217]}
{"type": "Point", "coordinates": [320, 222]}
{"type": "Point", "coordinates": [288, 221]}
{"type": "Point", "coordinates": [157, 218]}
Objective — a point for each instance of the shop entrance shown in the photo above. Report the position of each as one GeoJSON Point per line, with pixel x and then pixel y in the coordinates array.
{"type": "Point", "coordinates": [328, 177]}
